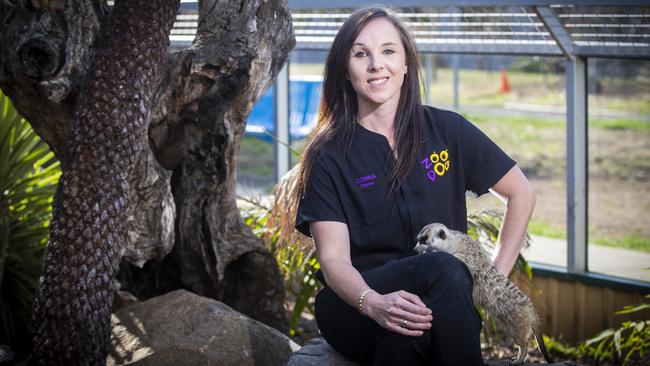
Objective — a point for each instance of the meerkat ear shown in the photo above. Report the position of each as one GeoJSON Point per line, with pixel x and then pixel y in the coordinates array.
{"type": "Point", "coordinates": [442, 235]}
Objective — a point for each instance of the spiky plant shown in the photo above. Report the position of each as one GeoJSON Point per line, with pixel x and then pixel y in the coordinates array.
{"type": "Point", "coordinates": [485, 225]}
{"type": "Point", "coordinates": [28, 176]}
{"type": "Point", "coordinates": [283, 212]}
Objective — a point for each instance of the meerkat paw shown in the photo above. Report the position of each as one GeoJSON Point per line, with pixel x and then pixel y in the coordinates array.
{"type": "Point", "coordinates": [521, 356]}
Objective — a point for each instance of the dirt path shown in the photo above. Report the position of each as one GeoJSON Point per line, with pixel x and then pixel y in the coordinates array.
{"type": "Point", "coordinates": [615, 208]}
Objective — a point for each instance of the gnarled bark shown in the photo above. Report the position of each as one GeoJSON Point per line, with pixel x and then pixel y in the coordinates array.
{"type": "Point", "coordinates": [196, 129]}
{"type": "Point", "coordinates": [197, 119]}
{"type": "Point", "coordinates": [44, 57]}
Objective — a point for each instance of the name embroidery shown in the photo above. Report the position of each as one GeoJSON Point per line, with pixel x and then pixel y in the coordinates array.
{"type": "Point", "coordinates": [436, 164]}
{"type": "Point", "coordinates": [366, 181]}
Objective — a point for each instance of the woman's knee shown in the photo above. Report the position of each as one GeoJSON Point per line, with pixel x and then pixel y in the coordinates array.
{"type": "Point", "coordinates": [397, 349]}
{"type": "Point", "coordinates": [443, 269]}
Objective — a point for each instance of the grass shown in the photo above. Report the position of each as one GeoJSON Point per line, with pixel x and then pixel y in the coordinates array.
{"type": "Point", "coordinates": [255, 163]}
{"type": "Point", "coordinates": [481, 88]}
{"type": "Point", "coordinates": [541, 228]}
{"type": "Point", "coordinates": [632, 242]}
{"type": "Point", "coordinates": [620, 124]}
{"type": "Point", "coordinates": [539, 122]}
{"type": "Point", "coordinates": [618, 148]}
{"type": "Point", "coordinates": [256, 157]}
{"type": "Point", "coordinates": [518, 121]}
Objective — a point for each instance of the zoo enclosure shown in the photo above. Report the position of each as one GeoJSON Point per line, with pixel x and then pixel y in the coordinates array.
{"type": "Point", "coordinates": [574, 30]}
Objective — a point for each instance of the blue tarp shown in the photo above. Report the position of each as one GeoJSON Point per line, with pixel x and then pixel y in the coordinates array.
{"type": "Point", "coordinates": [304, 96]}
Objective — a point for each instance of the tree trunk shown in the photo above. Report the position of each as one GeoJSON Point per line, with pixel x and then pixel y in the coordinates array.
{"type": "Point", "coordinates": [197, 120]}
{"type": "Point", "coordinates": [72, 310]}
{"type": "Point", "coordinates": [196, 128]}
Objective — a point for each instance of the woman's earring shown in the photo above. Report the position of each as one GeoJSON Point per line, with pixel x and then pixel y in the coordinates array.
{"type": "Point", "coordinates": [405, 69]}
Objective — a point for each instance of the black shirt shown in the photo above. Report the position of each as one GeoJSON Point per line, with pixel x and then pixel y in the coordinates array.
{"type": "Point", "coordinates": [352, 186]}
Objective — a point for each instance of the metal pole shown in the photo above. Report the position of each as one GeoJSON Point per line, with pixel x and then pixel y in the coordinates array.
{"type": "Point", "coordinates": [577, 188]}
{"type": "Point", "coordinates": [456, 62]}
{"type": "Point", "coordinates": [282, 122]}
{"type": "Point", "coordinates": [429, 76]}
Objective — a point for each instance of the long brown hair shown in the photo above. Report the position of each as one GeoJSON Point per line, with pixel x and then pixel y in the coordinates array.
{"type": "Point", "coordinates": [338, 105]}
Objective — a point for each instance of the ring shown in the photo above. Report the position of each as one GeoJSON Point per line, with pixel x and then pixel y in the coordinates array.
{"type": "Point", "coordinates": [404, 322]}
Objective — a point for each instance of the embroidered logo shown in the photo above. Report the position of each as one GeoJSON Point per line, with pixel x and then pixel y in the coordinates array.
{"type": "Point", "coordinates": [436, 164]}
{"type": "Point", "coordinates": [366, 181]}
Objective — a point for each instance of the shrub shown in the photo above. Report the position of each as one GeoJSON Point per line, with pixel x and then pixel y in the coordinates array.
{"type": "Point", "coordinates": [296, 261]}
{"type": "Point", "coordinates": [28, 176]}
{"type": "Point", "coordinates": [627, 345]}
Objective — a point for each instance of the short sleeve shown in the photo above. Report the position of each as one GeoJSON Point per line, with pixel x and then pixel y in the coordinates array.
{"type": "Point", "coordinates": [320, 202]}
{"type": "Point", "coordinates": [484, 162]}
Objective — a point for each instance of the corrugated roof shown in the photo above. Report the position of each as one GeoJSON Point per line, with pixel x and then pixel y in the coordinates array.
{"type": "Point", "coordinates": [582, 28]}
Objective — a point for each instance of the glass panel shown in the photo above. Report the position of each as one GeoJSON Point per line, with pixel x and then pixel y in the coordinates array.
{"type": "Point", "coordinates": [256, 158]}
{"type": "Point", "coordinates": [519, 102]}
{"type": "Point", "coordinates": [306, 77]}
{"type": "Point", "coordinates": [619, 167]}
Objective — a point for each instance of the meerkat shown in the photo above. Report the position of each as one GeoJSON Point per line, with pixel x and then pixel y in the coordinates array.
{"type": "Point", "coordinates": [511, 309]}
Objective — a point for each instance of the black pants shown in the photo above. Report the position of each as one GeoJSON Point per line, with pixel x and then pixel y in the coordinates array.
{"type": "Point", "coordinates": [442, 282]}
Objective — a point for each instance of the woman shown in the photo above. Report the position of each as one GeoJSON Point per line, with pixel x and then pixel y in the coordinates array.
{"type": "Point", "coordinates": [377, 168]}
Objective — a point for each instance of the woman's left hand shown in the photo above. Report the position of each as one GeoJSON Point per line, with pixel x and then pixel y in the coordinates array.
{"type": "Point", "coordinates": [401, 312]}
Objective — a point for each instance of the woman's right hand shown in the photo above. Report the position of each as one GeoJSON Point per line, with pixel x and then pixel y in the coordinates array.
{"type": "Point", "coordinates": [401, 312]}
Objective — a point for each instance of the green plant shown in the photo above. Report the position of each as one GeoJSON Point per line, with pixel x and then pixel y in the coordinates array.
{"type": "Point", "coordinates": [484, 226]}
{"type": "Point", "coordinates": [629, 344]}
{"type": "Point", "coordinates": [28, 176]}
{"type": "Point", "coordinates": [297, 262]}
{"type": "Point", "coordinates": [299, 267]}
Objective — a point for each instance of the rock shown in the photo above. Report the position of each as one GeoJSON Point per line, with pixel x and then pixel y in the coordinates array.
{"type": "Point", "coordinates": [317, 352]}
{"type": "Point", "coordinates": [123, 299]}
{"type": "Point", "coordinates": [181, 328]}
{"type": "Point", "coordinates": [508, 363]}
{"type": "Point", "coordinates": [6, 355]}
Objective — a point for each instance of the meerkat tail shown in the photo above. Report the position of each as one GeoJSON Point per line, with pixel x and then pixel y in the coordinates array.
{"type": "Point", "coordinates": [542, 347]}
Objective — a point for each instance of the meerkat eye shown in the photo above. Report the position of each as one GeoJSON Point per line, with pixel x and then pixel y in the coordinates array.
{"type": "Point", "coordinates": [442, 234]}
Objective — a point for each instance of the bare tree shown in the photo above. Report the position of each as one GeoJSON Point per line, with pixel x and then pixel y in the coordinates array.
{"type": "Point", "coordinates": [181, 192]}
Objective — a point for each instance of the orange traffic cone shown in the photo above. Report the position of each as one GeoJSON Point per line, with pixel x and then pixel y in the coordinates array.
{"type": "Point", "coordinates": [504, 87]}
